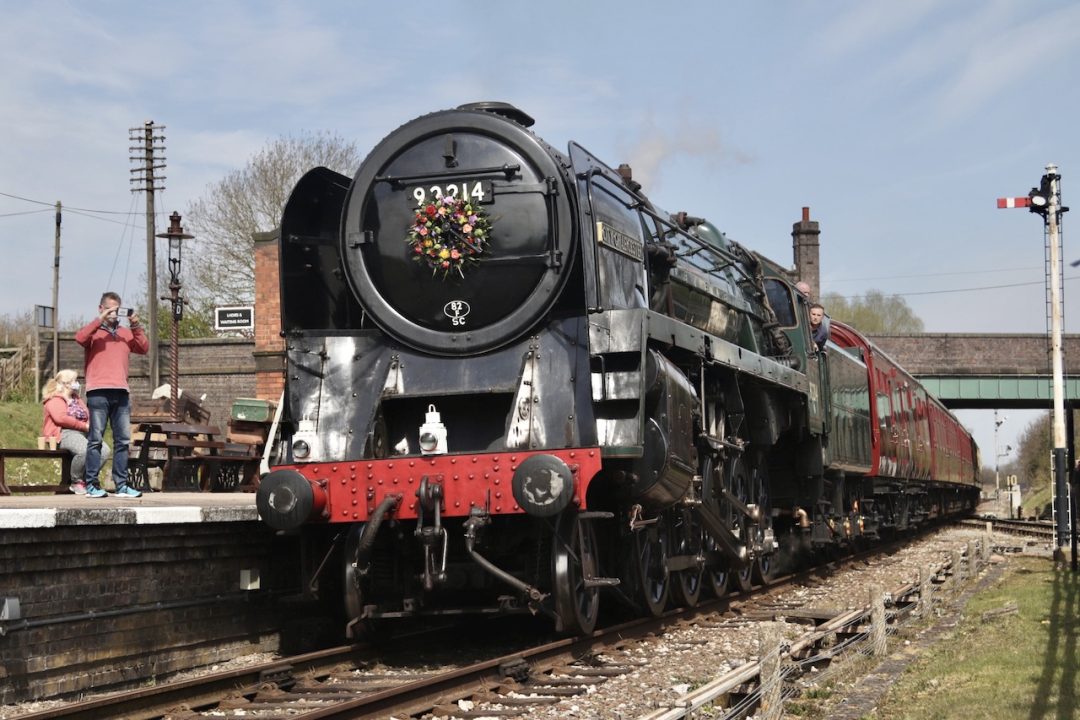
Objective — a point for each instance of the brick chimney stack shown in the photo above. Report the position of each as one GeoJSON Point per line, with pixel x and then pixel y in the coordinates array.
{"type": "Point", "coordinates": [269, 347]}
{"type": "Point", "coordinates": [805, 244]}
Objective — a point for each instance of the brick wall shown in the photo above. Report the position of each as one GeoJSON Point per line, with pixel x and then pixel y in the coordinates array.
{"type": "Point", "coordinates": [221, 368]}
{"type": "Point", "coordinates": [108, 604]}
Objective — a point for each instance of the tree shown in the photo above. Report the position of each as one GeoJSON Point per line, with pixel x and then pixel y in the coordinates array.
{"type": "Point", "coordinates": [16, 327]}
{"type": "Point", "coordinates": [874, 312]}
{"type": "Point", "coordinates": [1032, 463]}
{"type": "Point", "coordinates": [197, 322]}
{"type": "Point", "coordinates": [247, 201]}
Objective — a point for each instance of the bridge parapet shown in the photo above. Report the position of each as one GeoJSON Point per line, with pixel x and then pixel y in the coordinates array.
{"type": "Point", "coordinates": [958, 354]}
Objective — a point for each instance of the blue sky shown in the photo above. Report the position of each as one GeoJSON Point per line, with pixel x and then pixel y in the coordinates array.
{"type": "Point", "coordinates": [897, 123]}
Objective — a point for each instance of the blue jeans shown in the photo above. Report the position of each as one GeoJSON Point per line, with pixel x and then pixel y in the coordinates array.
{"type": "Point", "coordinates": [114, 407]}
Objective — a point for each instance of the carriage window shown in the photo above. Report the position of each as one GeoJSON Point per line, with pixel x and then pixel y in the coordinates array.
{"type": "Point", "coordinates": [780, 301]}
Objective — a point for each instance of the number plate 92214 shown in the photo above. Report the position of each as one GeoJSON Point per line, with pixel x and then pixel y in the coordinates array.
{"type": "Point", "coordinates": [477, 191]}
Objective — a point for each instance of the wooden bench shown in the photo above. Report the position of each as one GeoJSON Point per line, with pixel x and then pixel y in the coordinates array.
{"type": "Point", "coordinates": [192, 457]}
{"type": "Point", "coordinates": [34, 454]}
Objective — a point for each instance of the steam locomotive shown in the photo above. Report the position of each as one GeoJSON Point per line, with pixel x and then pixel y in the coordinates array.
{"type": "Point", "coordinates": [514, 384]}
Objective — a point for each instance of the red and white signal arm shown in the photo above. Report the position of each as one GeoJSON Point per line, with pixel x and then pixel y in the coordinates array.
{"type": "Point", "coordinates": [234, 318]}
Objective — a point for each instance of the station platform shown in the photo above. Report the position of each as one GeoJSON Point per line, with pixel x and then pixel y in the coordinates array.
{"type": "Point", "coordinates": [105, 593]}
{"type": "Point", "coordinates": [158, 508]}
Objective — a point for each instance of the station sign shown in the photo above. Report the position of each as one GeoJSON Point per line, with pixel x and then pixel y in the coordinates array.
{"type": "Point", "coordinates": [44, 316]}
{"type": "Point", "coordinates": [234, 318]}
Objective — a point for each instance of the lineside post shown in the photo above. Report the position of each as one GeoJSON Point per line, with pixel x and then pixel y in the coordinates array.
{"type": "Point", "coordinates": [877, 621]}
{"type": "Point", "coordinates": [772, 706]}
{"type": "Point", "coordinates": [926, 589]}
{"type": "Point", "coordinates": [920, 611]}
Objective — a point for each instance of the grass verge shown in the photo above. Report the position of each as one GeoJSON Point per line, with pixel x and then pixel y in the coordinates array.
{"type": "Point", "coordinates": [20, 426]}
{"type": "Point", "coordinates": [1017, 665]}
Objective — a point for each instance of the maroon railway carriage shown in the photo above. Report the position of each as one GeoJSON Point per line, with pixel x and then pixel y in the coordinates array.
{"type": "Point", "coordinates": [914, 439]}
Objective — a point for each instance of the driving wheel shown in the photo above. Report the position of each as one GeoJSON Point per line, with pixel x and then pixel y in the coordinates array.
{"type": "Point", "coordinates": [574, 559]}
{"type": "Point", "coordinates": [650, 546]}
{"type": "Point", "coordinates": [687, 540]}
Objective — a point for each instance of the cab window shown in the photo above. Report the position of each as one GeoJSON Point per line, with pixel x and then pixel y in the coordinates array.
{"type": "Point", "coordinates": [779, 295]}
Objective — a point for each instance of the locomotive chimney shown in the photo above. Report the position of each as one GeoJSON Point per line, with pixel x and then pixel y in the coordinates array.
{"type": "Point", "coordinates": [805, 236]}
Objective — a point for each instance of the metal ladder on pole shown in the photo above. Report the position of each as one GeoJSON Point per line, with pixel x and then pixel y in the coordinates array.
{"type": "Point", "coordinates": [1049, 358]}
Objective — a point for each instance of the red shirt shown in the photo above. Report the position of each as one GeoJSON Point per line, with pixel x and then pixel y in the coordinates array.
{"type": "Point", "coordinates": [57, 418]}
{"type": "Point", "coordinates": [107, 353]}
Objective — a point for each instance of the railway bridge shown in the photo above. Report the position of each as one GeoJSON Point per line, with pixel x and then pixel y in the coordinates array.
{"type": "Point", "coordinates": [981, 371]}
{"type": "Point", "coordinates": [986, 371]}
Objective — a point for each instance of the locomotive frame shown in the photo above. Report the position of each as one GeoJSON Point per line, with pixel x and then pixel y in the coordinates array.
{"type": "Point", "coordinates": [616, 402]}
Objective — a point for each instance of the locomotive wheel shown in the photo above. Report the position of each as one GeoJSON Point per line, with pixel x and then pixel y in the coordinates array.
{"type": "Point", "coordinates": [717, 572]}
{"type": "Point", "coordinates": [742, 580]}
{"type": "Point", "coordinates": [687, 539]}
{"type": "Point", "coordinates": [574, 558]}
{"type": "Point", "coordinates": [763, 570]}
{"type": "Point", "coordinates": [355, 584]}
{"type": "Point", "coordinates": [717, 577]}
{"type": "Point", "coordinates": [738, 480]}
{"type": "Point", "coordinates": [652, 575]}
{"type": "Point", "coordinates": [357, 592]}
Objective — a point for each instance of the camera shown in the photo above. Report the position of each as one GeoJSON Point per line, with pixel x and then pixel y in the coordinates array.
{"type": "Point", "coordinates": [123, 312]}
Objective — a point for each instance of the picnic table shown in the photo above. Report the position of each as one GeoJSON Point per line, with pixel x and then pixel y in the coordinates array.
{"type": "Point", "coordinates": [192, 457]}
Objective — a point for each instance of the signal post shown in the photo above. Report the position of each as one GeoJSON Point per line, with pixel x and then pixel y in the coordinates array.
{"type": "Point", "coordinates": [1045, 200]}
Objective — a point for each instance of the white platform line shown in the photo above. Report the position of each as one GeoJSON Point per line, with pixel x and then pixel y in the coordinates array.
{"type": "Point", "coordinates": [28, 518]}
{"type": "Point", "coordinates": [166, 515]}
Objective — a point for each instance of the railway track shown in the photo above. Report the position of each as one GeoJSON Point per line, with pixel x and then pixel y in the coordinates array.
{"type": "Point", "coordinates": [1027, 528]}
{"type": "Point", "coordinates": [346, 683]}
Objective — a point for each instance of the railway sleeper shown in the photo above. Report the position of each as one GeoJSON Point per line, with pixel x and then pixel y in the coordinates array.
{"type": "Point", "coordinates": [596, 672]}
{"type": "Point", "coordinates": [568, 681]}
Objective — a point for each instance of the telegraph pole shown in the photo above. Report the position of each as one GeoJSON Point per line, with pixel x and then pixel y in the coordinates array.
{"type": "Point", "coordinates": [146, 180]}
{"type": "Point", "coordinates": [56, 296]}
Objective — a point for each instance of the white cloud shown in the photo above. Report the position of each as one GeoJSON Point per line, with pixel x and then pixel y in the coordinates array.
{"type": "Point", "coordinates": [870, 23]}
{"type": "Point", "coordinates": [1014, 54]}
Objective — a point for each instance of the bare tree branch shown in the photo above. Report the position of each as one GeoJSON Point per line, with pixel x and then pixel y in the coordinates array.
{"type": "Point", "coordinates": [251, 200]}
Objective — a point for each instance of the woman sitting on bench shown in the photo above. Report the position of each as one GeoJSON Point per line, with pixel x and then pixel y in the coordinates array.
{"type": "Point", "coordinates": [67, 421]}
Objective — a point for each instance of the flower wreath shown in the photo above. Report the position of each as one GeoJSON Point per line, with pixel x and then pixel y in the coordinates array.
{"type": "Point", "coordinates": [449, 233]}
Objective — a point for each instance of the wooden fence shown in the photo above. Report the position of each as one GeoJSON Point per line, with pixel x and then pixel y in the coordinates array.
{"type": "Point", "coordinates": [15, 364]}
